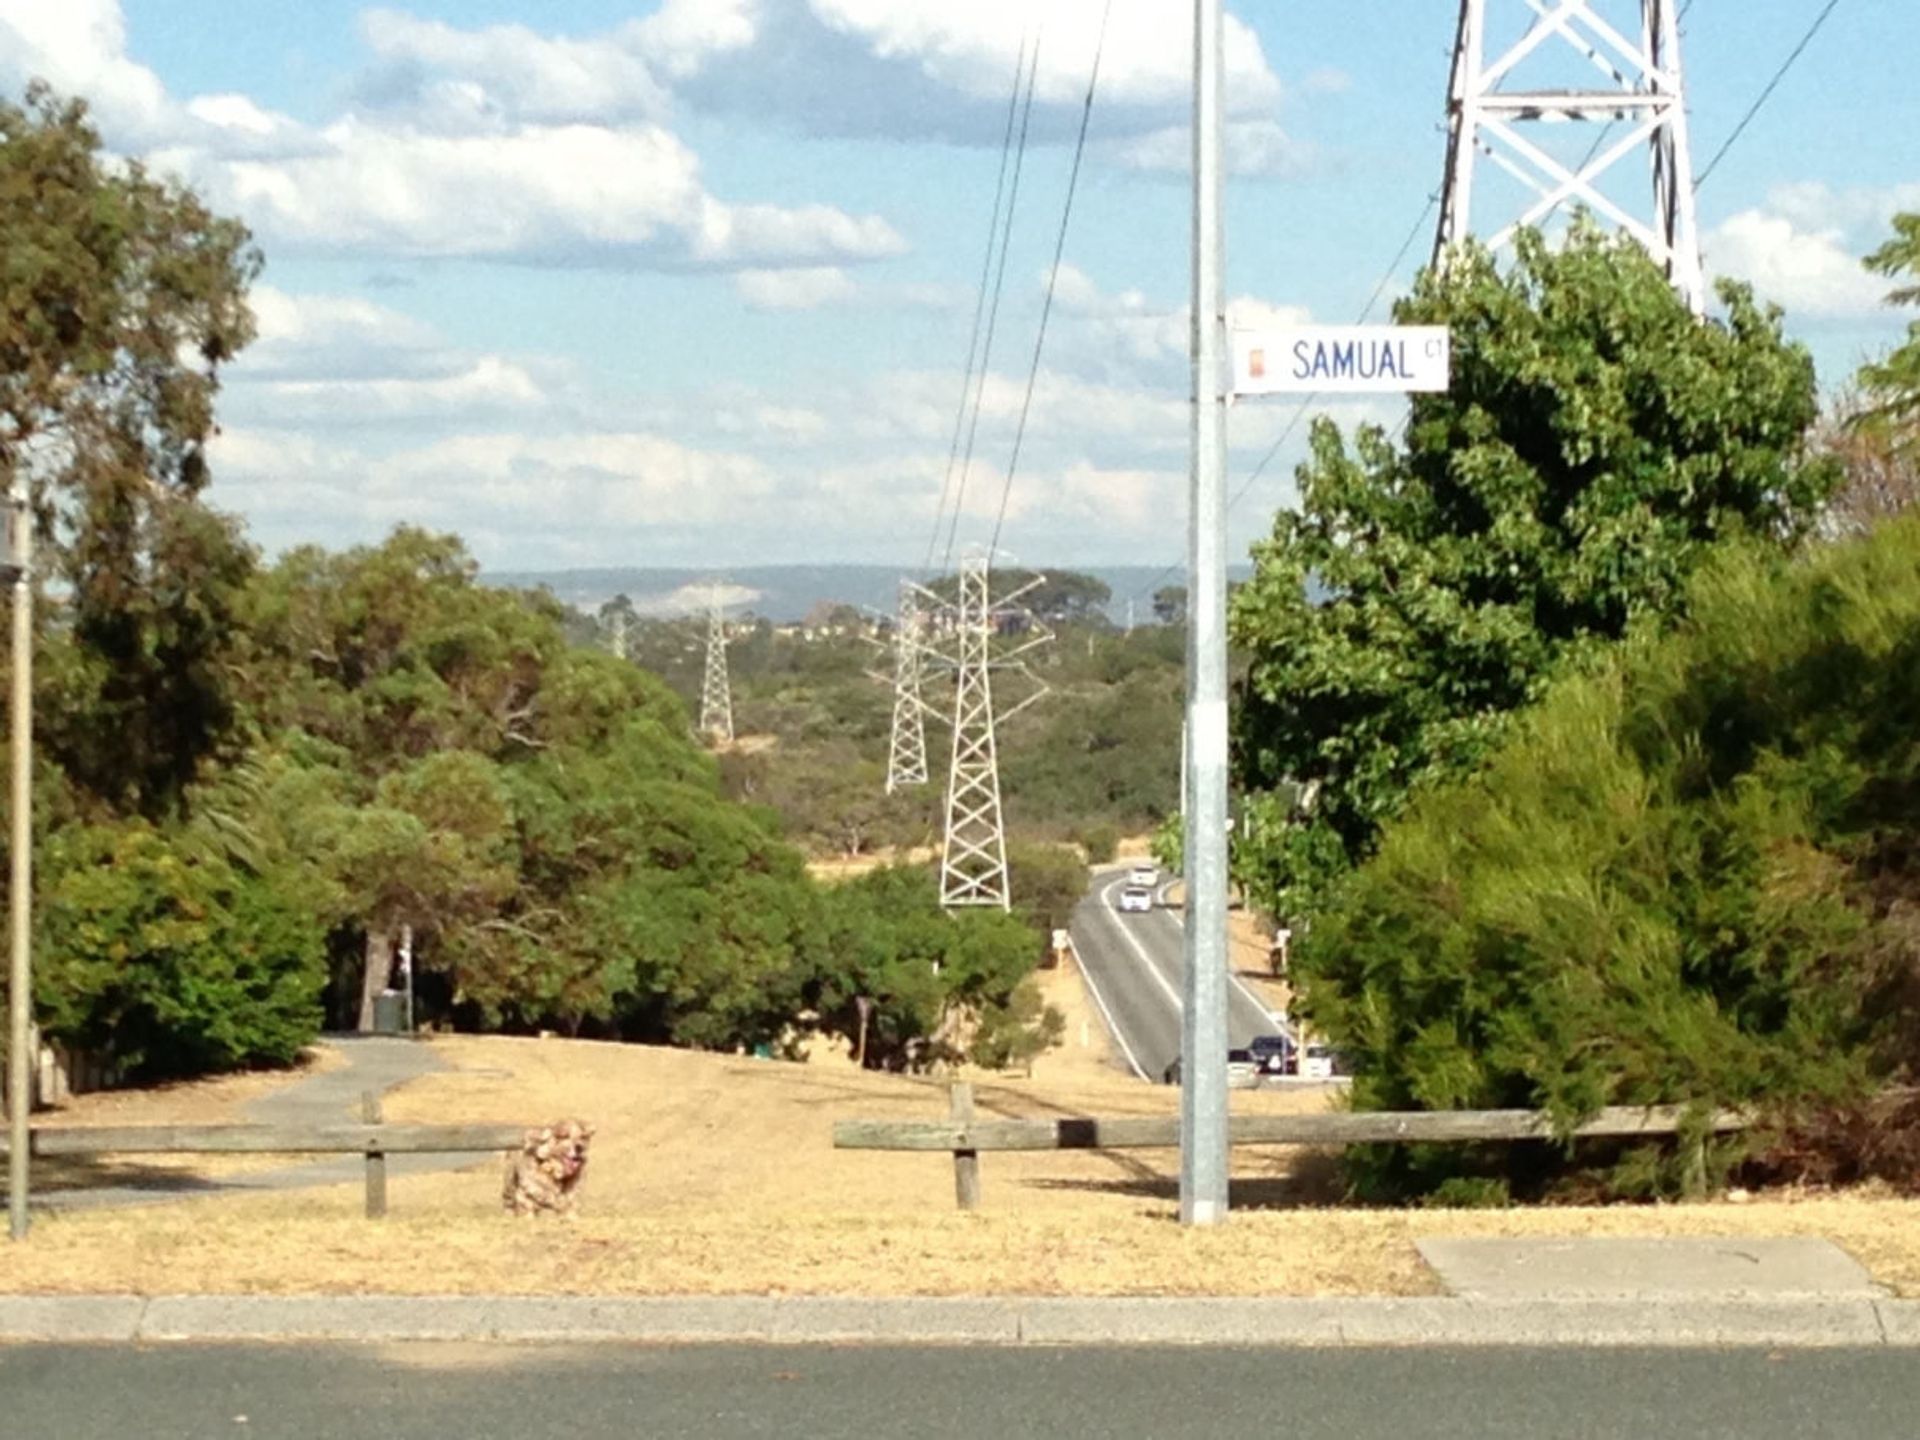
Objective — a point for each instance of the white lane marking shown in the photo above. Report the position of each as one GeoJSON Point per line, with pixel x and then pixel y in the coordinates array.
{"type": "Point", "coordinates": [1259, 1005]}
{"type": "Point", "coordinates": [1173, 995]}
{"type": "Point", "coordinates": [1113, 1025]}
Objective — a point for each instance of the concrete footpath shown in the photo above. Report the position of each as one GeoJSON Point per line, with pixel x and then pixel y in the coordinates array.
{"type": "Point", "coordinates": [1451, 1321]}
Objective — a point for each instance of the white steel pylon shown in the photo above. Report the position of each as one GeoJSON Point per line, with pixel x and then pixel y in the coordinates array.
{"type": "Point", "coordinates": [1643, 89]}
{"type": "Point", "coordinates": [907, 752]}
{"type": "Point", "coordinates": [716, 698]}
{"type": "Point", "coordinates": [973, 858]}
{"type": "Point", "coordinates": [617, 633]}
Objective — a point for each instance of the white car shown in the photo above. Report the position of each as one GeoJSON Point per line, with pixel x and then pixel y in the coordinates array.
{"type": "Point", "coordinates": [1143, 875]}
{"type": "Point", "coordinates": [1316, 1062]}
{"type": "Point", "coordinates": [1136, 897]}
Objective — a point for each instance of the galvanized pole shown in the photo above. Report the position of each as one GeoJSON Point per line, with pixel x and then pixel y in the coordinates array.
{"type": "Point", "coordinates": [20, 893]}
{"type": "Point", "coordinates": [1203, 1066]}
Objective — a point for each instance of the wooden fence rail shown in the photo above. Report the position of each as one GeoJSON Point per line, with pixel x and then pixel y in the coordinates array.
{"type": "Point", "coordinates": [966, 1137]}
{"type": "Point", "coordinates": [372, 1139]}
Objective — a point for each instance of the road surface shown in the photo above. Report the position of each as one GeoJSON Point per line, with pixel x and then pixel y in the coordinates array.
{"type": "Point", "coordinates": [1135, 966]}
{"type": "Point", "coordinates": [430, 1392]}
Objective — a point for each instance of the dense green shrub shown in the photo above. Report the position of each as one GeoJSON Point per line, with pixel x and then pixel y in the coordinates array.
{"type": "Point", "coordinates": [1688, 877]}
{"type": "Point", "coordinates": [181, 964]}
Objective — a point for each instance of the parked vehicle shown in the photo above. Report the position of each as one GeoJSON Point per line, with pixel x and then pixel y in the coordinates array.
{"type": "Point", "coordinates": [1317, 1062]}
{"type": "Point", "coordinates": [1242, 1074]}
{"type": "Point", "coordinates": [1136, 897]}
{"type": "Point", "coordinates": [1272, 1054]}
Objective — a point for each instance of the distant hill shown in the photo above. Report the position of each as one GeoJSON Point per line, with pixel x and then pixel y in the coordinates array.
{"type": "Point", "coordinates": [787, 592]}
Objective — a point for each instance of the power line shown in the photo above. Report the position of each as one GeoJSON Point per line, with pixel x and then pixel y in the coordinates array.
{"type": "Point", "coordinates": [993, 309]}
{"type": "Point", "coordinates": [1767, 94]}
{"type": "Point", "coordinates": [1053, 275]}
{"type": "Point", "coordinates": [980, 301]}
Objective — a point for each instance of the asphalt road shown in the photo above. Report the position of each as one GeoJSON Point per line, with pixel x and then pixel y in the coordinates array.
{"type": "Point", "coordinates": [1136, 966]}
{"type": "Point", "coordinates": [501, 1392]}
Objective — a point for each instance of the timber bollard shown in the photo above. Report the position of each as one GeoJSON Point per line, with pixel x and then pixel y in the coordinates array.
{"type": "Point", "coordinates": [966, 1163]}
{"type": "Point", "coordinates": [376, 1160]}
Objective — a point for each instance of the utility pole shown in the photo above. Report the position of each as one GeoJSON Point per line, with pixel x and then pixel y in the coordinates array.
{"type": "Point", "coordinates": [907, 750]}
{"type": "Point", "coordinates": [973, 857]}
{"type": "Point", "coordinates": [1203, 1058]}
{"type": "Point", "coordinates": [1643, 88]}
{"type": "Point", "coordinates": [716, 697]}
{"type": "Point", "coordinates": [20, 880]}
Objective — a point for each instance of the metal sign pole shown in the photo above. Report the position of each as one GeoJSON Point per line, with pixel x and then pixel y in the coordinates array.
{"type": "Point", "coordinates": [20, 894]}
{"type": "Point", "coordinates": [1203, 1064]}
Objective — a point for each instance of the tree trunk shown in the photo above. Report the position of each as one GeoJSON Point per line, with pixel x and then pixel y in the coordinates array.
{"type": "Point", "coordinates": [378, 971]}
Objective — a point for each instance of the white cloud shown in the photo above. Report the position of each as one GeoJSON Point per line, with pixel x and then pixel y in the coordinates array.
{"type": "Point", "coordinates": [682, 35]}
{"type": "Point", "coordinates": [802, 289]}
{"type": "Point", "coordinates": [1253, 148]}
{"type": "Point", "coordinates": [476, 143]}
{"type": "Point", "coordinates": [970, 48]}
{"type": "Point", "coordinates": [565, 194]}
{"type": "Point", "coordinates": [1863, 213]}
{"type": "Point", "coordinates": [505, 72]}
{"type": "Point", "coordinates": [348, 363]}
{"type": "Point", "coordinates": [937, 68]}
{"type": "Point", "coordinates": [1810, 273]}
{"type": "Point", "coordinates": [80, 48]}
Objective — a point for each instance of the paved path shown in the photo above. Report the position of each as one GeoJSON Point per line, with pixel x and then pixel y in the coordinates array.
{"type": "Point", "coordinates": [328, 1097]}
{"type": "Point", "coordinates": [425, 1392]}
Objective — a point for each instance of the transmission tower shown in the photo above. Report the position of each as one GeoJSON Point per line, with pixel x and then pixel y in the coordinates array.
{"type": "Point", "coordinates": [716, 698]}
{"type": "Point", "coordinates": [617, 633]}
{"type": "Point", "coordinates": [973, 860]}
{"type": "Point", "coordinates": [907, 752]}
{"type": "Point", "coordinates": [1524, 78]}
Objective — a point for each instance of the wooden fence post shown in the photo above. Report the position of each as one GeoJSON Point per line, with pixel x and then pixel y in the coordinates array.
{"type": "Point", "coordinates": [966, 1163]}
{"type": "Point", "coordinates": [376, 1160]}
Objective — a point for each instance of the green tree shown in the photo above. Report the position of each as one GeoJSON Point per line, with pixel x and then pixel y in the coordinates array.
{"type": "Point", "coordinates": [1685, 877]}
{"type": "Point", "coordinates": [178, 963]}
{"type": "Point", "coordinates": [1893, 384]}
{"type": "Point", "coordinates": [123, 298]}
{"type": "Point", "coordinates": [1597, 443]}
{"type": "Point", "coordinates": [1170, 604]}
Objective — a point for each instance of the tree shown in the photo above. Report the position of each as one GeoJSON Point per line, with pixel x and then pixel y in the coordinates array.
{"type": "Point", "coordinates": [1880, 474]}
{"type": "Point", "coordinates": [1893, 384]}
{"type": "Point", "coordinates": [1170, 604]}
{"type": "Point", "coordinates": [1597, 443]}
{"type": "Point", "coordinates": [123, 298]}
{"type": "Point", "coordinates": [922, 976]}
{"type": "Point", "coordinates": [178, 963]}
{"type": "Point", "coordinates": [1687, 876]}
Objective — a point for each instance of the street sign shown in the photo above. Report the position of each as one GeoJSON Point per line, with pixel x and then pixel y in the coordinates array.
{"type": "Point", "coordinates": [1341, 359]}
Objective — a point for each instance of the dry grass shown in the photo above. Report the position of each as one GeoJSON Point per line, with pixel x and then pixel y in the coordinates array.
{"type": "Point", "coordinates": [716, 1175]}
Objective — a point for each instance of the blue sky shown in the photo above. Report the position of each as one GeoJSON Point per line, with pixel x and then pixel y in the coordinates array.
{"type": "Point", "coordinates": [691, 283]}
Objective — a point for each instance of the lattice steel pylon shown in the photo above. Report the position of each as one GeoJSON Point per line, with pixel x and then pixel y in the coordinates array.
{"type": "Point", "coordinates": [973, 857]}
{"type": "Point", "coordinates": [716, 697]}
{"type": "Point", "coordinates": [617, 633]}
{"type": "Point", "coordinates": [1644, 90]}
{"type": "Point", "coordinates": [907, 750]}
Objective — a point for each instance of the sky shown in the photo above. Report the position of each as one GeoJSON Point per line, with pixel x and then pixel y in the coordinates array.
{"type": "Point", "coordinates": [693, 283]}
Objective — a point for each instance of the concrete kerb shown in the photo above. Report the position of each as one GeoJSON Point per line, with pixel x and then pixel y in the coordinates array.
{"type": "Point", "coordinates": [1250, 1322]}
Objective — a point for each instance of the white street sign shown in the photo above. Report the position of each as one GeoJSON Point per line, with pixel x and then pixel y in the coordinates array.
{"type": "Point", "coordinates": [1341, 359]}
